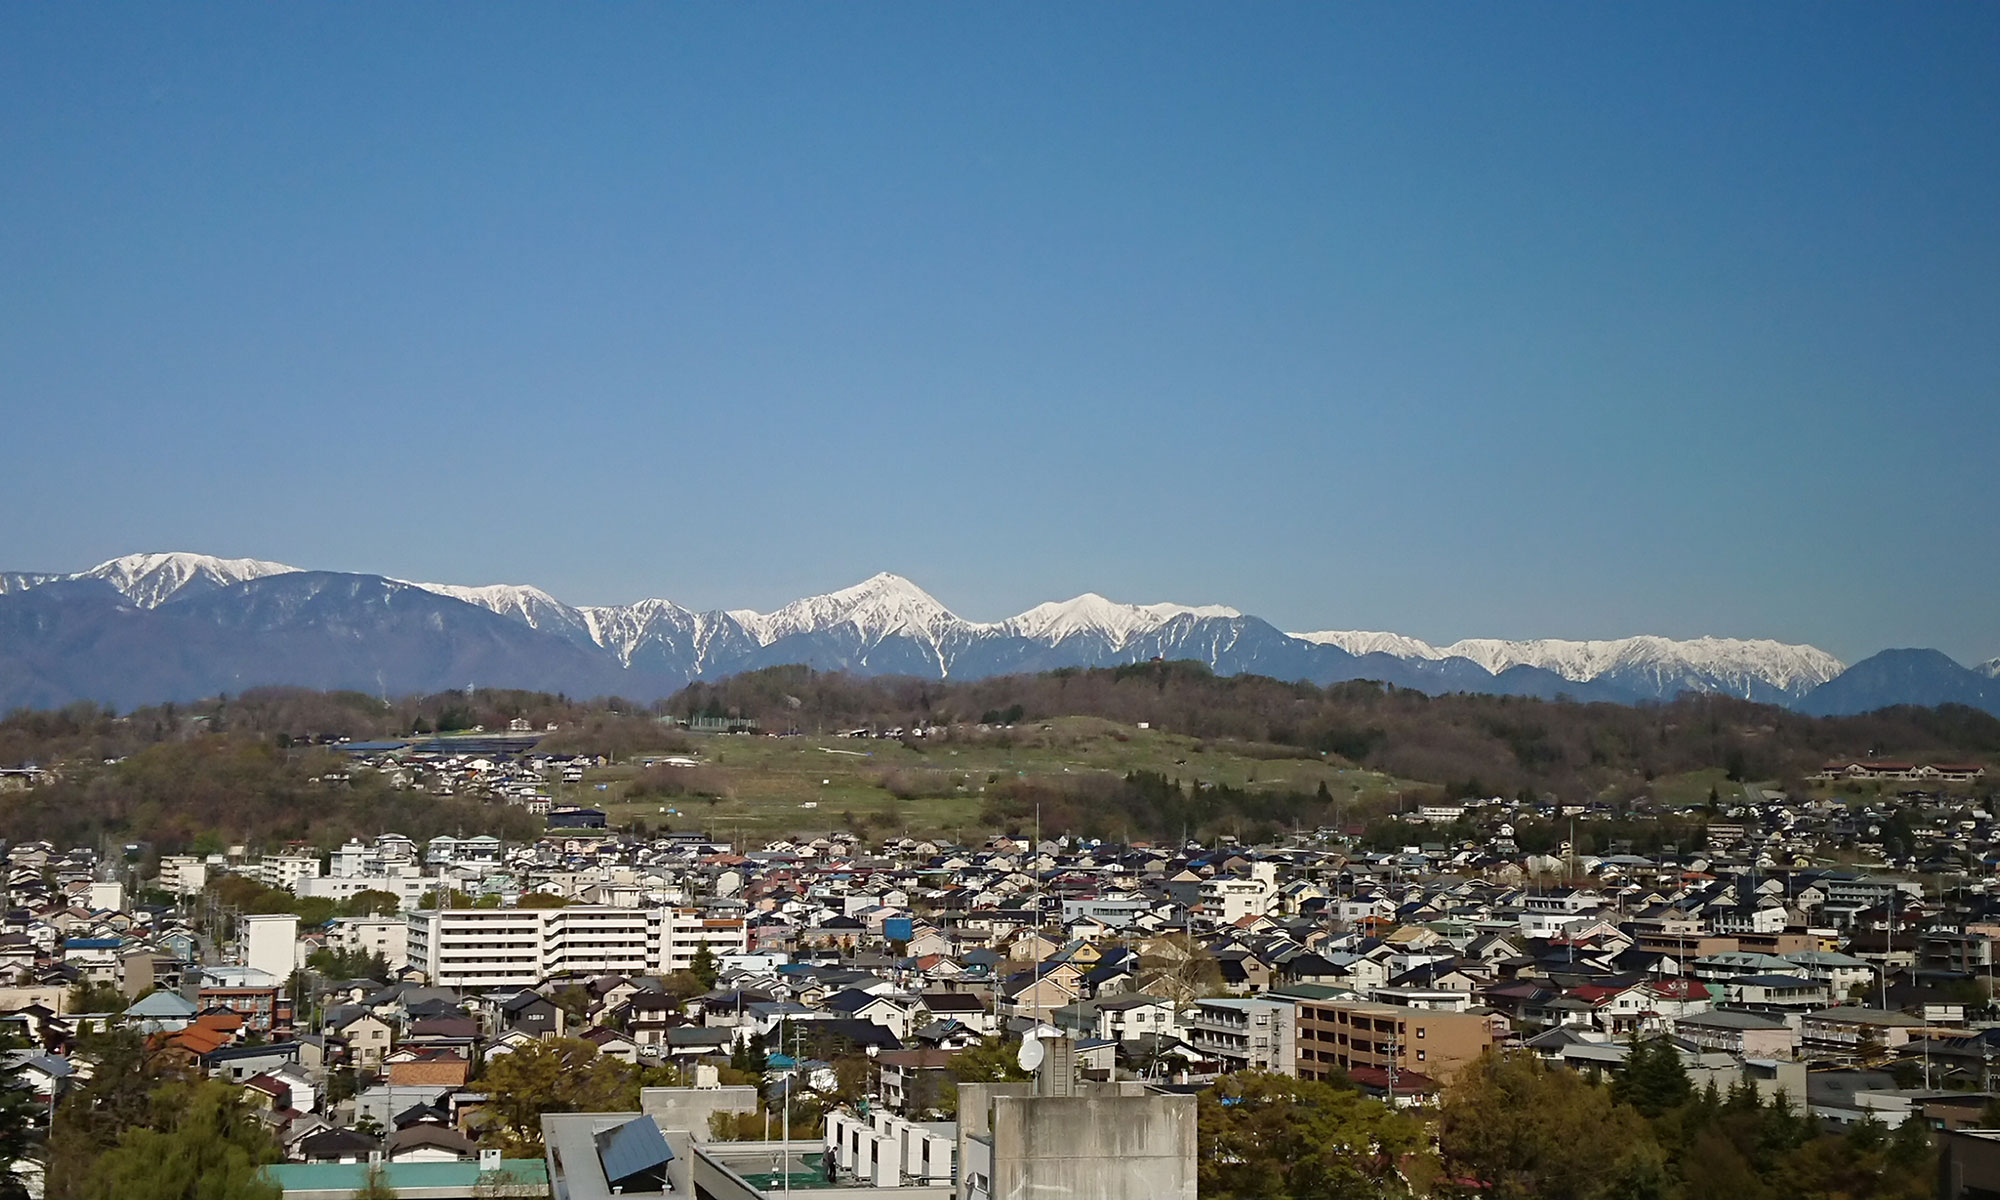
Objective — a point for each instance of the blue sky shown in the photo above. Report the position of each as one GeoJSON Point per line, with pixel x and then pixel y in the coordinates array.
{"type": "Point", "coordinates": [1449, 319]}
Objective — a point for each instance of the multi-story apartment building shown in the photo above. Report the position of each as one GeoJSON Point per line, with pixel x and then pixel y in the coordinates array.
{"type": "Point", "coordinates": [1345, 1034]}
{"type": "Point", "coordinates": [519, 947]}
{"type": "Point", "coordinates": [1228, 899]}
{"type": "Point", "coordinates": [1854, 1032]}
{"type": "Point", "coordinates": [258, 996]}
{"type": "Point", "coordinates": [286, 870]}
{"type": "Point", "coordinates": [386, 936]}
{"type": "Point", "coordinates": [1245, 1033]}
{"type": "Point", "coordinates": [183, 875]}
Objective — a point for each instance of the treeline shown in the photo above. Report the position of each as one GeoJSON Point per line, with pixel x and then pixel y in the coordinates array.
{"type": "Point", "coordinates": [1466, 744]}
{"type": "Point", "coordinates": [1147, 805]}
{"type": "Point", "coordinates": [204, 793]}
{"type": "Point", "coordinates": [252, 767]}
{"type": "Point", "coordinates": [291, 716]}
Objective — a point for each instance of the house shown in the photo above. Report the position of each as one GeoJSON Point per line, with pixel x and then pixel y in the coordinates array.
{"type": "Point", "coordinates": [532, 1013]}
{"type": "Point", "coordinates": [411, 1067]}
{"type": "Point", "coordinates": [612, 1044]}
{"type": "Point", "coordinates": [368, 1037]}
{"type": "Point", "coordinates": [1119, 1018]}
{"type": "Point", "coordinates": [427, 1142]}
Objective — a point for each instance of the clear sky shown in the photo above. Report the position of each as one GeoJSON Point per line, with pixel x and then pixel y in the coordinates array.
{"type": "Point", "coordinates": [1449, 319]}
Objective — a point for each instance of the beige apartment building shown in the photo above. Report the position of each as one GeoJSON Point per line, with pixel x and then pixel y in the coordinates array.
{"type": "Point", "coordinates": [1345, 1034]}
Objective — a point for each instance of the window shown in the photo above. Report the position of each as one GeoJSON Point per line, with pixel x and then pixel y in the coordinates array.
{"type": "Point", "coordinates": [1420, 1031]}
{"type": "Point", "coordinates": [1420, 1056]}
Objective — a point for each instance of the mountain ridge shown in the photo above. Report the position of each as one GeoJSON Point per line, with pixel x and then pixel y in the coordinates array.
{"type": "Point", "coordinates": [884, 624]}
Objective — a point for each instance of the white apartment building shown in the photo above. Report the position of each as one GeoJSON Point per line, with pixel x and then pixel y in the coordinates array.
{"type": "Point", "coordinates": [404, 881]}
{"type": "Point", "coordinates": [268, 942]}
{"type": "Point", "coordinates": [520, 947]}
{"type": "Point", "coordinates": [386, 936]}
{"type": "Point", "coordinates": [1227, 899]}
{"type": "Point", "coordinates": [183, 875]}
{"type": "Point", "coordinates": [286, 870]}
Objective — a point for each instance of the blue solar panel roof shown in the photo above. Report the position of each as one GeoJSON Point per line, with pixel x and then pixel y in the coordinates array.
{"type": "Point", "coordinates": [636, 1149]}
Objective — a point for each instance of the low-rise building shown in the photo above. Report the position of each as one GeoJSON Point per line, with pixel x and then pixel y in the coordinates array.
{"type": "Point", "coordinates": [1245, 1033]}
{"type": "Point", "coordinates": [1337, 1036]}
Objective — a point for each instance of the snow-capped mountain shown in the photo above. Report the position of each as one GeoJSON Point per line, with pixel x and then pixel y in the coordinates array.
{"type": "Point", "coordinates": [531, 606]}
{"type": "Point", "coordinates": [878, 607]}
{"type": "Point", "coordinates": [1092, 615]}
{"type": "Point", "coordinates": [150, 580]}
{"type": "Point", "coordinates": [1647, 666]}
{"type": "Point", "coordinates": [170, 626]}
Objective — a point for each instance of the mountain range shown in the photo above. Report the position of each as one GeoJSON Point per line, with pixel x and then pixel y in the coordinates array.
{"type": "Point", "coordinates": [146, 628]}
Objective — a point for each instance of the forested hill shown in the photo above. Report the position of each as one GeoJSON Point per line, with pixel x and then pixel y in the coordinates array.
{"type": "Point", "coordinates": [246, 764]}
{"type": "Point", "coordinates": [1499, 743]}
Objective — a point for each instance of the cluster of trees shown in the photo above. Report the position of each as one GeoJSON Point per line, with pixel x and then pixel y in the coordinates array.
{"type": "Point", "coordinates": [662, 782]}
{"type": "Point", "coordinates": [1150, 805]}
{"type": "Point", "coordinates": [248, 896]}
{"type": "Point", "coordinates": [1529, 1130]}
{"type": "Point", "coordinates": [204, 793]}
{"type": "Point", "coordinates": [1513, 1128]}
{"type": "Point", "coordinates": [142, 1127]}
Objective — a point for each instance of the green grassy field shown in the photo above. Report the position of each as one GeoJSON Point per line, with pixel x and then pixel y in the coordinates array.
{"type": "Point", "coordinates": [767, 781]}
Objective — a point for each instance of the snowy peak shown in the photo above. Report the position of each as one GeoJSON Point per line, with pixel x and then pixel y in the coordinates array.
{"type": "Point", "coordinates": [1731, 662]}
{"type": "Point", "coordinates": [887, 624]}
{"type": "Point", "coordinates": [880, 606]}
{"type": "Point", "coordinates": [1367, 641]}
{"type": "Point", "coordinates": [1092, 614]}
{"type": "Point", "coordinates": [531, 605]}
{"type": "Point", "coordinates": [1737, 666]}
{"type": "Point", "coordinates": [625, 629]}
{"type": "Point", "coordinates": [1990, 668]}
{"type": "Point", "coordinates": [150, 580]}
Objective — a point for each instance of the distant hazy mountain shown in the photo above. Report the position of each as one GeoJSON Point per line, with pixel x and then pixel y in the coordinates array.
{"type": "Point", "coordinates": [1920, 677]}
{"type": "Point", "coordinates": [177, 626]}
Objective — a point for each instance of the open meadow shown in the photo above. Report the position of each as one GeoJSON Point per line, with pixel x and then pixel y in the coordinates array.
{"type": "Point", "coordinates": [768, 786]}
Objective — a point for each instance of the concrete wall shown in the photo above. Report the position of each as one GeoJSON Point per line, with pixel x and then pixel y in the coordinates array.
{"type": "Point", "coordinates": [690, 1108]}
{"type": "Point", "coordinates": [1105, 1147]}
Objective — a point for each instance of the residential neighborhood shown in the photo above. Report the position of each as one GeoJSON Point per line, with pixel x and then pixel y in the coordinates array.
{"type": "Point", "coordinates": [863, 971]}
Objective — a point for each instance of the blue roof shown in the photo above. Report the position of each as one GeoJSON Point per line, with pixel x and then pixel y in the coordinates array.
{"type": "Point", "coordinates": [632, 1150]}
{"type": "Point", "coordinates": [161, 1004]}
{"type": "Point", "coordinates": [81, 943]}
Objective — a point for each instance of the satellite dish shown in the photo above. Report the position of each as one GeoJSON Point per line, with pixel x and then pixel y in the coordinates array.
{"type": "Point", "coordinates": [1031, 1054]}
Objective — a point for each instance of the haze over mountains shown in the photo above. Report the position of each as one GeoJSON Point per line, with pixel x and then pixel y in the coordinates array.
{"type": "Point", "coordinates": [152, 627]}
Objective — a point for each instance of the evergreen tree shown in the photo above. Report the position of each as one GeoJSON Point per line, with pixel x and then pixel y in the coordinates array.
{"type": "Point", "coordinates": [704, 967]}
{"type": "Point", "coordinates": [17, 1114]}
{"type": "Point", "coordinates": [200, 1142]}
{"type": "Point", "coordinates": [1654, 1081]}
